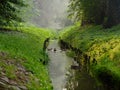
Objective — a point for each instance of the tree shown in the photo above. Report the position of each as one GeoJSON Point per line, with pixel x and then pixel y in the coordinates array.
{"type": "Point", "coordinates": [89, 11]}
{"type": "Point", "coordinates": [104, 12]}
{"type": "Point", "coordinates": [9, 11]}
{"type": "Point", "coordinates": [112, 13]}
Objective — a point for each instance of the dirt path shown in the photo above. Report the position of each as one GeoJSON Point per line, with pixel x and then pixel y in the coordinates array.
{"type": "Point", "coordinates": [58, 65]}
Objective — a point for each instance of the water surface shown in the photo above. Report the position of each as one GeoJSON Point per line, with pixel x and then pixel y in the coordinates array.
{"type": "Point", "coordinates": [65, 78]}
{"type": "Point", "coordinates": [58, 65]}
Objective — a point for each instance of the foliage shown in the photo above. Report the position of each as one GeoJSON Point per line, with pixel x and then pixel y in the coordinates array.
{"type": "Point", "coordinates": [104, 12]}
{"type": "Point", "coordinates": [9, 11]}
{"type": "Point", "coordinates": [27, 44]}
{"type": "Point", "coordinates": [100, 44]}
{"type": "Point", "coordinates": [70, 53]}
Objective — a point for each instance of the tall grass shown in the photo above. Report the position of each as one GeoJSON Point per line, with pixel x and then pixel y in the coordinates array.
{"type": "Point", "coordinates": [27, 44]}
{"type": "Point", "coordinates": [99, 43]}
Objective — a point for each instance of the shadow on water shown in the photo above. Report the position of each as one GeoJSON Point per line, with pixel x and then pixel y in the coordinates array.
{"type": "Point", "coordinates": [67, 73]}
{"type": "Point", "coordinates": [81, 79]}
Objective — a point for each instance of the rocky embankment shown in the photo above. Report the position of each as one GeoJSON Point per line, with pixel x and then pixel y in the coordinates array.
{"type": "Point", "coordinates": [14, 76]}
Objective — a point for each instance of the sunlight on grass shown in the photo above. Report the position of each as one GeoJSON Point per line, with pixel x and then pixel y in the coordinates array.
{"type": "Point", "coordinates": [27, 43]}
{"type": "Point", "coordinates": [96, 42]}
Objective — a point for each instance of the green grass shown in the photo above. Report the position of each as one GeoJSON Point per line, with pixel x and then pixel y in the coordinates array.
{"type": "Point", "coordinates": [70, 53]}
{"type": "Point", "coordinates": [26, 43]}
{"type": "Point", "coordinates": [96, 42]}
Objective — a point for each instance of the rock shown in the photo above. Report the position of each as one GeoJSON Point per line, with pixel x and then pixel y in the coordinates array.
{"type": "Point", "coordinates": [49, 49]}
{"type": "Point", "coordinates": [21, 69]}
{"type": "Point", "coordinates": [64, 89]}
{"type": "Point", "coordinates": [13, 88]}
{"type": "Point", "coordinates": [68, 73]}
{"type": "Point", "coordinates": [2, 85]}
{"type": "Point", "coordinates": [75, 67]}
{"type": "Point", "coordinates": [23, 87]}
{"type": "Point", "coordinates": [27, 73]}
{"type": "Point", "coordinates": [2, 54]}
{"type": "Point", "coordinates": [4, 79]}
{"type": "Point", "coordinates": [2, 73]}
{"type": "Point", "coordinates": [12, 82]}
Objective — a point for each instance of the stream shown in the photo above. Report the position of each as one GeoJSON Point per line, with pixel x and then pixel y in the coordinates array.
{"type": "Point", "coordinates": [63, 75]}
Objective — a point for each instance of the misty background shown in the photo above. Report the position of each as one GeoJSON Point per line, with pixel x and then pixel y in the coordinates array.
{"type": "Point", "coordinates": [50, 13]}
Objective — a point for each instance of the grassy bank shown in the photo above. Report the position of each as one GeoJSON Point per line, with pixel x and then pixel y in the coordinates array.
{"type": "Point", "coordinates": [102, 45]}
{"type": "Point", "coordinates": [22, 48]}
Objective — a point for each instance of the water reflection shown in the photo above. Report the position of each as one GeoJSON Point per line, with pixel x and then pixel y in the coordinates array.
{"type": "Point", "coordinates": [81, 79]}
{"type": "Point", "coordinates": [69, 74]}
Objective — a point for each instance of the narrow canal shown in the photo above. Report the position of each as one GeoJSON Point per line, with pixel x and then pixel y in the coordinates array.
{"type": "Point", "coordinates": [63, 76]}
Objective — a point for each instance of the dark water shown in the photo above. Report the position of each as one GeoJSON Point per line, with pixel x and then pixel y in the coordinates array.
{"type": "Point", "coordinates": [82, 80]}
{"type": "Point", "coordinates": [65, 78]}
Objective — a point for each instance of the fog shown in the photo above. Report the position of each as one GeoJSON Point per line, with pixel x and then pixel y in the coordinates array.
{"type": "Point", "coordinates": [50, 13]}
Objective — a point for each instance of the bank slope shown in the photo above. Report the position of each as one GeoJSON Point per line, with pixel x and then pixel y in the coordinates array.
{"type": "Point", "coordinates": [102, 45]}
{"type": "Point", "coordinates": [22, 59]}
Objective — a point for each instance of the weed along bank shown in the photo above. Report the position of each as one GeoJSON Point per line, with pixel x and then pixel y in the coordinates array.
{"type": "Point", "coordinates": [60, 45]}
{"type": "Point", "coordinates": [97, 49]}
{"type": "Point", "coordinates": [22, 61]}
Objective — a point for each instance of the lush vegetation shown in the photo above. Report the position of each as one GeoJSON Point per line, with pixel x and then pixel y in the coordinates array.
{"type": "Point", "coordinates": [21, 48]}
{"type": "Point", "coordinates": [24, 45]}
{"type": "Point", "coordinates": [105, 12]}
{"type": "Point", "coordinates": [10, 11]}
{"type": "Point", "coordinates": [22, 57]}
{"type": "Point", "coordinates": [100, 44]}
{"type": "Point", "coordinates": [93, 39]}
